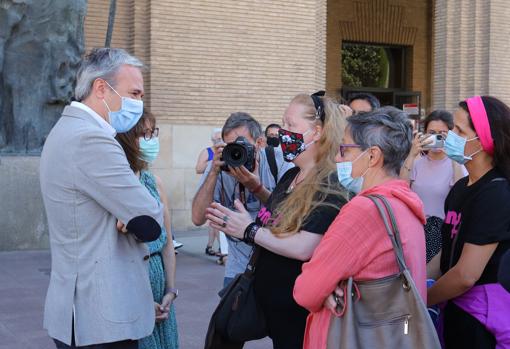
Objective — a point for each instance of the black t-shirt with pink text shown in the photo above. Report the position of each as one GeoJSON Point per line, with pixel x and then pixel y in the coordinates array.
{"type": "Point", "coordinates": [276, 274]}
{"type": "Point", "coordinates": [478, 214]}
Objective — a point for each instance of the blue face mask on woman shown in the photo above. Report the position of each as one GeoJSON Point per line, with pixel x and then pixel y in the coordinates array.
{"type": "Point", "coordinates": [149, 149]}
{"type": "Point", "coordinates": [127, 116]}
{"type": "Point", "coordinates": [344, 171]}
{"type": "Point", "coordinates": [454, 146]}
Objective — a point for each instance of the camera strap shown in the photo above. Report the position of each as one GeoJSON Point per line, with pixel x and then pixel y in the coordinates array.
{"type": "Point", "coordinates": [242, 195]}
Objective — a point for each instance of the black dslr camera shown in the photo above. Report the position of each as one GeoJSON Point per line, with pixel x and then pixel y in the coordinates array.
{"type": "Point", "coordinates": [239, 153]}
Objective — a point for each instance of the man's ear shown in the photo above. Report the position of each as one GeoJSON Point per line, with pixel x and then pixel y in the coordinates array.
{"type": "Point", "coordinates": [99, 88]}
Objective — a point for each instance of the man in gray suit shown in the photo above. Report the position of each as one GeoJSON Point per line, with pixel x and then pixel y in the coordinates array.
{"type": "Point", "coordinates": [99, 294]}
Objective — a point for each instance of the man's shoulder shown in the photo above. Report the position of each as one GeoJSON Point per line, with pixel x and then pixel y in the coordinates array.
{"type": "Point", "coordinates": [281, 165]}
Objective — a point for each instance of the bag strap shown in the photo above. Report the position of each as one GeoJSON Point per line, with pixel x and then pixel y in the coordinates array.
{"type": "Point", "coordinates": [250, 267]}
{"type": "Point", "coordinates": [393, 221]}
{"type": "Point", "coordinates": [393, 232]}
{"type": "Point", "coordinates": [271, 160]}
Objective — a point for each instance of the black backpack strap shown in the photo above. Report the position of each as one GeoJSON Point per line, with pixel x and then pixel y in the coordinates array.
{"type": "Point", "coordinates": [271, 160]}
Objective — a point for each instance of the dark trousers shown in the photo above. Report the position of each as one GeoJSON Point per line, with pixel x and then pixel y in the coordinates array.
{"type": "Point", "coordinates": [115, 345]}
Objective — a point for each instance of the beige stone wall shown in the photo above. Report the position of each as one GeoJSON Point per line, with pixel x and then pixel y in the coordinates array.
{"type": "Point", "coordinates": [208, 59]}
{"type": "Point", "coordinates": [471, 50]}
{"type": "Point", "coordinates": [180, 146]}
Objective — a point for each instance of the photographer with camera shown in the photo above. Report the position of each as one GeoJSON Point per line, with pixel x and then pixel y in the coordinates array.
{"type": "Point", "coordinates": [432, 174]}
{"type": "Point", "coordinates": [239, 171]}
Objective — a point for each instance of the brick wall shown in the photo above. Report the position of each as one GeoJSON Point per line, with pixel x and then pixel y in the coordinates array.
{"type": "Point", "coordinates": [210, 58]}
{"type": "Point", "coordinates": [96, 23]}
{"type": "Point", "coordinates": [471, 50]}
{"type": "Point", "coordinates": [213, 57]}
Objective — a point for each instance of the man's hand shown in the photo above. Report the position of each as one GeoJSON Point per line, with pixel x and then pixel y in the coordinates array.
{"type": "Point", "coordinates": [217, 162]}
{"type": "Point", "coordinates": [121, 227]}
{"type": "Point", "coordinates": [250, 180]}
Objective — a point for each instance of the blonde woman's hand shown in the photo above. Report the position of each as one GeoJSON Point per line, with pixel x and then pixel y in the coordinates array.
{"type": "Point", "coordinates": [230, 222]}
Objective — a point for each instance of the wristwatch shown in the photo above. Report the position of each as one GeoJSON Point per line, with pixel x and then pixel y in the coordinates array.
{"type": "Point", "coordinates": [174, 291]}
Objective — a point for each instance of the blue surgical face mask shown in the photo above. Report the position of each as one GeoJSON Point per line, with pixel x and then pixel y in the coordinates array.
{"type": "Point", "coordinates": [149, 149]}
{"type": "Point", "coordinates": [454, 146]}
{"type": "Point", "coordinates": [127, 116]}
{"type": "Point", "coordinates": [344, 171]}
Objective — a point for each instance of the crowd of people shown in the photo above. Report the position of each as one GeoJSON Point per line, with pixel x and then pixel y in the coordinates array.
{"type": "Point", "coordinates": [330, 208]}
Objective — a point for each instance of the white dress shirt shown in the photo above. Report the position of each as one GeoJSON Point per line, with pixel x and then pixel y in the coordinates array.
{"type": "Point", "coordinates": [96, 116]}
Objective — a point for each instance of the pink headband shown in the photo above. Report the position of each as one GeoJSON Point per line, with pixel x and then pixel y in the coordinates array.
{"type": "Point", "coordinates": [481, 123]}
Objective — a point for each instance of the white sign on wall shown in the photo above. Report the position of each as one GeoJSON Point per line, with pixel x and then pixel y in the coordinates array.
{"type": "Point", "coordinates": [411, 108]}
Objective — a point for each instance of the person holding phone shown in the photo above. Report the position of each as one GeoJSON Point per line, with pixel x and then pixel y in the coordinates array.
{"type": "Point", "coordinates": [432, 174]}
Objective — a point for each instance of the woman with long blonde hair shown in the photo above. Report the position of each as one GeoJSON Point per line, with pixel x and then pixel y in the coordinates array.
{"type": "Point", "coordinates": [295, 216]}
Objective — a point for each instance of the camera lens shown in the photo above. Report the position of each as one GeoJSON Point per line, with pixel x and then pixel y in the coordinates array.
{"type": "Point", "coordinates": [235, 155]}
{"type": "Point", "coordinates": [440, 137]}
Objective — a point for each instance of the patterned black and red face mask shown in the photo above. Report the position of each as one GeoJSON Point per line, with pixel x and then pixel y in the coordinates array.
{"type": "Point", "coordinates": [292, 144]}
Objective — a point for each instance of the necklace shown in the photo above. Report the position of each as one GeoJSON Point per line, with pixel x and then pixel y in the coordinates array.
{"type": "Point", "coordinates": [293, 184]}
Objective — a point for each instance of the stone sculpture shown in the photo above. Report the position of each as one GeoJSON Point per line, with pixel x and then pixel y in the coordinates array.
{"type": "Point", "coordinates": [41, 43]}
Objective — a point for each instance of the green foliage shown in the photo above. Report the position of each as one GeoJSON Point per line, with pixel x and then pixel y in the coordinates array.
{"type": "Point", "coordinates": [364, 66]}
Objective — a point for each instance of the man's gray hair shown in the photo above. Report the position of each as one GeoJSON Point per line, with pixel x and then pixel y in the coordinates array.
{"type": "Point", "coordinates": [101, 63]}
{"type": "Point", "coordinates": [389, 129]}
{"type": "Point", "coordinates": [240, 119]}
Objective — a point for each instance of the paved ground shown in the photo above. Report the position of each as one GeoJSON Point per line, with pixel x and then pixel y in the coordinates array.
{"type": "Point", "coordinates": [24, 279]}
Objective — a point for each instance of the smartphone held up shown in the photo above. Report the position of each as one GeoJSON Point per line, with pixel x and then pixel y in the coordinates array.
{"type": "Point", "coordinates": [435, 141]}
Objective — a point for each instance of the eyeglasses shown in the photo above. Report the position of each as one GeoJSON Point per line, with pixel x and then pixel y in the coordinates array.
{"type": "Point", "coordinates": [149, 133]}
{"type": "Point", "coordinates": [343, 147]}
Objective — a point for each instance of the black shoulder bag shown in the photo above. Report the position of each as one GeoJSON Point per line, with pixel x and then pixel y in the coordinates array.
{"type": "Point", "coordinates": [237, 318]}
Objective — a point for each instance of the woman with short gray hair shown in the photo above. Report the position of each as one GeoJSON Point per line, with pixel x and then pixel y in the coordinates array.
{"type": "Point", "coordinates": [356, 244]}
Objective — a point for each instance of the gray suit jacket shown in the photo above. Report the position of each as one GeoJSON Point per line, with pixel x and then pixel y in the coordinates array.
{"type": "Point", "coordinates": [97, 273]}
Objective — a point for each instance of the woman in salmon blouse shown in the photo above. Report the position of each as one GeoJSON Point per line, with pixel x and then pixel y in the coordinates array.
{"type": "Point", "coordinates": [356, 244]}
